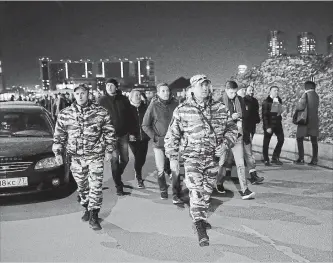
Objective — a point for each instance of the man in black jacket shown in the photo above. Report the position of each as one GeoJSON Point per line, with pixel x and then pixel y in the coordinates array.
{"type": "Point", "coordinates": [272, 123]}
{"type": "Point", "coordinates": [251, 118]}
{"type": "Point", "coordinates": [118, 107]}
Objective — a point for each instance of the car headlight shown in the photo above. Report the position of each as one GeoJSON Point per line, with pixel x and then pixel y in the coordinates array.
{"type": "Point", "coordinates": [46, 163]}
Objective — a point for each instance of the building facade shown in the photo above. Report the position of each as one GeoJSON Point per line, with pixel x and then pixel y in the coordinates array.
{"type": "Point", "coordinates": [276, 43]}
{"type": "Point", "coordinates": [57, 74]}
{"type": "Point", "coordinates": [306, 43]}
{"type": "Point", "coordinates": [2, 79]}
{"type": "Point", "coordinates": [122, 70]}
{"type": "Point", "coordinates": [63, 72]}
{"type": "Point", "coordinates": [145, 71]}
{"type": "Point", "coordinates": [79, 69]}
{"type": "Point", "coordinates": [45, 72]}
{"type": "Point", "coordinates": [330, 45]}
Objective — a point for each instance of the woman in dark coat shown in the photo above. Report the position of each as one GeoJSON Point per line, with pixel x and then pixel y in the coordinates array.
{"type": "Point", "coordinates": [138, 139]}
{"type": "Point", "coordinates": [310, 99]}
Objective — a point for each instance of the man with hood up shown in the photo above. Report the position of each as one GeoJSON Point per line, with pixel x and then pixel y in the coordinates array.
{"type": "Point", "coordinates": [118, 107]}
{"type": "Point", "coordinates": [155, 124]}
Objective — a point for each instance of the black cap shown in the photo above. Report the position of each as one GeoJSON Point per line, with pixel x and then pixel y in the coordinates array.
{"type": "Point", "coordinates": [113, 81]}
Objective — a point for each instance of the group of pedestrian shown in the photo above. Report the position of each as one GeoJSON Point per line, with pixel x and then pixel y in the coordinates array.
{"type": "Point", "coordinates": [272, 124]}
{"type": "Point", "coordinates": [203, 134]}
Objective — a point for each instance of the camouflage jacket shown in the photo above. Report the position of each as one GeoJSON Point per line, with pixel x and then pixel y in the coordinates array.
{"type": "Point", "coordinates": [190, 132]}
{"type": "Point", "coordinates": [84, 131]}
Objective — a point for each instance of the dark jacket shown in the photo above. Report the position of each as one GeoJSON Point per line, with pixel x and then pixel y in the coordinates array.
{"type": "Point", "coordinates": [312, 126]}
{"type": "Point", "coordinates": [118, 107]}
{"type": "Point", "coordinates": [233, 109]}
{"type": "Point", "coordinates": [135, 122]}
{"type": "Point", "coordinates": [251, 114]}
{"type": "Point", "coordinates": [270, 119]}
{"type": "Point", "coordinates": [157, 119]}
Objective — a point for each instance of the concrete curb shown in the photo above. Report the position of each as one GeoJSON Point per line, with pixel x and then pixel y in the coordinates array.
{"type": "Point", "coordinates": [290, 151]}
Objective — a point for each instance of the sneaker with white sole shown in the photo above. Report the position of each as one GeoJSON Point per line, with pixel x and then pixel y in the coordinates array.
{"type": "Point", "coordinates": [164, 195]}
{"type": "Point", "coordinates": [248, 194]}
{"type": "Point", "coordinates": [176, 200]}
{"type": "Point", "coordinates": [220, 188]}
{"type": "Point", "coordinates": [141, 184]}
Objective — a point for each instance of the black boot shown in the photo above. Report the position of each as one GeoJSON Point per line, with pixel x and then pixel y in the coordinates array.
{"type": "Point", "coordinates": [93, 221]}
{"type": "Point", "coordinates": [86, 213]}
{"type": "Point", "coordinates": [299, 161]}
{"type": "Point", "coordinates": [276, 160]}
{"type": "Point", "coordinates": [255, 179]}
{"type": "Point", "coordinates": [202, 233]}
{"type": "Point", "coordinates": [207, 225]}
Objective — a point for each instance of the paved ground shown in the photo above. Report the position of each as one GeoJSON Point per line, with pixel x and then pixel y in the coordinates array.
{"type": "Point", "coordinates": [289, 221]}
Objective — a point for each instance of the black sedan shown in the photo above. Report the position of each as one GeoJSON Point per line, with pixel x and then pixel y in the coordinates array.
{"type": "Point", "coordinates": [27, 163]}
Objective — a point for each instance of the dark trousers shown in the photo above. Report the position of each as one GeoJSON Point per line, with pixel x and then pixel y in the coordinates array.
{"type": "Point", "coordinates": [119, 162]}
{"type": "Point", "coordinates": [300, 145]}
{"type": "Point", "coordinates": [139, 150]}
{"type": "Point", "coordinates": [278, 131]}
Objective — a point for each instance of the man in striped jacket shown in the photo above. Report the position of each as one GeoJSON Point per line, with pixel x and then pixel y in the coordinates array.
{"type": "Point", "coordinates": [85, 132]}
{"type": "Point", "coordinates": [202, 130]}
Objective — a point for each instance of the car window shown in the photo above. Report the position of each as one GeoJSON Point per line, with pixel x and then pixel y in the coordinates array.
{"type": "Point", "coordinates": [24, 124]}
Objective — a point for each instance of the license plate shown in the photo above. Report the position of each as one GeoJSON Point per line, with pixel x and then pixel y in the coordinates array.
{"type": "Point", "coordinates": [13, 182]}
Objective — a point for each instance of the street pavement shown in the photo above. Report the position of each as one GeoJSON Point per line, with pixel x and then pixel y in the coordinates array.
{"type": "Point", "coordinates": [290, 220]}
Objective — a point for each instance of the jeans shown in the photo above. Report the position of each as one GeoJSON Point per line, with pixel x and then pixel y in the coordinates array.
{"type": "Point", "coordinates": [139, 150]}
{"type": "Point", "coordinates": [119, 162]}
{"type": "Point", "coordinates": [236, 152]}
{"type": "Point", "coordinates": [300, 145]}
{"type": "Point", "coordinates": [249, 157]}
{"type": "Point", "coordinates": [162, 163]}
{"type": "Point", "coordinates": [278, 131]}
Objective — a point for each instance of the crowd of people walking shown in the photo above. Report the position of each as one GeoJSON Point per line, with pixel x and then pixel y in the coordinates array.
{"type": "Point", "coordinates": [203, 135]}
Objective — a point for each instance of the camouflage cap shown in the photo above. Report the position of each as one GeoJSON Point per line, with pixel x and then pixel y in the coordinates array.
{"type": "Point", "coordinates": [82, 86]}
{"type": "Point", "coordinates": [199, 79]}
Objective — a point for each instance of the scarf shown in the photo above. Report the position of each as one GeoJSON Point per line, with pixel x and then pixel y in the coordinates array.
{"type": "Point", "coordinates": [165, 102]}
{"type": "Point", "coordinates": [228, 102]}
{"type": "Point", "coordinates": [135, 104]}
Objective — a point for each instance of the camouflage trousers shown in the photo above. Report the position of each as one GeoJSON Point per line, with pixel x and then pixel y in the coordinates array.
{"type": "Point", "coordinates": [88, 174]}
{"type": "Point", "coordinates": [200, 179]}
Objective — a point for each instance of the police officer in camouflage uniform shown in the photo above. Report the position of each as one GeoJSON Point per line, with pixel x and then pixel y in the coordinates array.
{"type": "Point", "coordinates": [85, 132]}
{"type": "Point", "coordinates": [203, 131]}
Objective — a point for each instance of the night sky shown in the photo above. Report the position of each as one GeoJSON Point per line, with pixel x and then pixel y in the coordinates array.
{"type": "Point", "coordinates": [184, 38]}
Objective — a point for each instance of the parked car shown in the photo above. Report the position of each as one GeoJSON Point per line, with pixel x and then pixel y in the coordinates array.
{"type": "Point", "coordinates": [27, 163]}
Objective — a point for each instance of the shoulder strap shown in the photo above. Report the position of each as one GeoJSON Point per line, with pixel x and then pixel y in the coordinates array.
{"type": "Point", "coordinates": [205, 118]}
